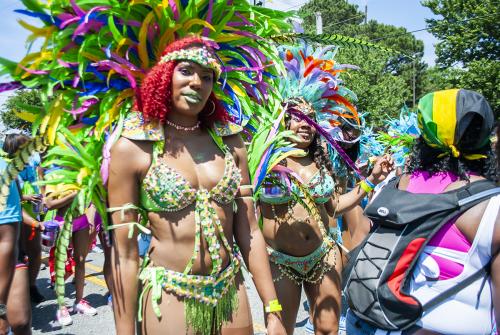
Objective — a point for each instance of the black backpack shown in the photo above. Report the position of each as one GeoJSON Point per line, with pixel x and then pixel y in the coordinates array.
{"type": "Point", "coordinates": [379, 271]}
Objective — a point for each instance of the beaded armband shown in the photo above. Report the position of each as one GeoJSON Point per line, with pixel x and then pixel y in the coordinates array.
{"type": "Point", "coordinates": [245, 187]}
{"type": "Point", "coordinates": [141, 225]}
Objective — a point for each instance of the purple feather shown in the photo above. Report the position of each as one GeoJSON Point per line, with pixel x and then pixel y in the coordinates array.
{"type": "Point", "coordinates": [95, 9]}
{"type": "Point", "coordinates": [33, 71]}
{"type": "Point", "coordinates": [84, 27]}
{"type": "Point", "coordinates": [125, 62]}
{"type": "Point", "coordinates": [247, 34]}
{"type": "Point", "coordinates": [110, 65]}
{"type": "Point", "coordinates": [13, 85]}
{"type": "Point", "coordinates": [84, 107]}
{"type": "Point", "coordinates": [67, 64]}
{"type": "Point", "coordinates": [325, 50]}
{"type": "Point", "coordinates": [243, 18]}
{"type": "Point", "coordinates": [206, 31]}
{"type": "Point", "coordinates": [175, 11]}
{"type": "Point", "coordinates": [69, 21]}
{"type": "Point", "coordinates": [78, 10]}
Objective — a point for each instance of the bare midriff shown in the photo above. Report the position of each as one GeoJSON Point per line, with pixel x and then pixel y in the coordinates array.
{"type": "Point", "coordinates": [299, 236]}
{"type": "Point", "coordinates": [173, 238]}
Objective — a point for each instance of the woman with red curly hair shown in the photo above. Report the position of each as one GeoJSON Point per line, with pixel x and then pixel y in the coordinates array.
{"type": "Point", "coordinates": [172, 167]}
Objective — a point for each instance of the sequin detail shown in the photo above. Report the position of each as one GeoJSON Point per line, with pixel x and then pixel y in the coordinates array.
{"type": "Point", "coordinates": [167, 190]}
{"type": "Point", "coordinates": [136, 128]}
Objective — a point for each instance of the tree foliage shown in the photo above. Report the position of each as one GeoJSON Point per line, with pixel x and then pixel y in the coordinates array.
{"type": "Point", "coordinates": [468, 31]}
{"type": "Point", "coordinates": [7, 111]}
{"type": "Point", "coordinates": [469, 36]}
{"type": "Point", "coordinates": [384, 83]}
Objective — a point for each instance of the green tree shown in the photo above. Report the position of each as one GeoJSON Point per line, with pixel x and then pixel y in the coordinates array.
{"type": "Point", "coordinates": [468, 50]}
{"type": "Point", "coordinates": [468, 31]}
{"type": "Point", "coordinates": [19, 98]}
{"type": "Point", "coordinates": [384, 82]}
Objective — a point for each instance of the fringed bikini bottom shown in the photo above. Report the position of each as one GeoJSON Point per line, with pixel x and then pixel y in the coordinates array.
{"type": "Point", "coordinates": [209, 301]}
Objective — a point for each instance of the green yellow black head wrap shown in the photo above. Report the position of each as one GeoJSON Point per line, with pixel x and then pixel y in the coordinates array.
{"type": "Point", "coordinates": [444, 117]}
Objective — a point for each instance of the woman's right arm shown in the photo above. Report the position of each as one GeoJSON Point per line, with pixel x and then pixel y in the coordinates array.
{"type": "Point", "coordinates": [123, 188]}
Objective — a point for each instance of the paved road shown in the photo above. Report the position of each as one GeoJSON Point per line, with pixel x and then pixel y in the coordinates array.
{"type": "Point", "coordinates": [102, 324]}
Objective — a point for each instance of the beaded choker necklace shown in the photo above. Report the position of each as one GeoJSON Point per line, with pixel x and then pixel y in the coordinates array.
{"type": "Point", "coordinates": [179, 127]}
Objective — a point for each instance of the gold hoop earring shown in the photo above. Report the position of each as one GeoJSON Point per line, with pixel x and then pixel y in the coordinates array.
{"type": "Point", "coordinates": [213, 108]}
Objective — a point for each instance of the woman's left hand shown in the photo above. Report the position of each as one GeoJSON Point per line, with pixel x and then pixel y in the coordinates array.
{"type": "Point", "coordinates": [383, 166]}
{"type": "Point", "coordinates": [274, 325]}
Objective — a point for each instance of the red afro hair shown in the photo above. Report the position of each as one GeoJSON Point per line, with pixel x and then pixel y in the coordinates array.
{"type": "Point", "coordinates": [154, 97]}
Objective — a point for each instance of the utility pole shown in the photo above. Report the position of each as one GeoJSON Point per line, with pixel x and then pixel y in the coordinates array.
{"type": "Point", "coordinates": [414, 81]}
{"type": "Point", "coordinates": [319, 23]}
{"type": "Point", "coordinates": [366, 11]}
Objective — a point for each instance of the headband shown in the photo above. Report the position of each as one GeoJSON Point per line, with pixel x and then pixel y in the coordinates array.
{"type": "Point", "coordinates": [199, 55]}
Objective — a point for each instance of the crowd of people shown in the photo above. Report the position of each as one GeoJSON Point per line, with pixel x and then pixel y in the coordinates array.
{"type": "Point", "coordinates": [187, 193]}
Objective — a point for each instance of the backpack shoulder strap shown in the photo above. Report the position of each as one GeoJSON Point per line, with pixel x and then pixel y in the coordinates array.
{"type": "Point", "coordinates": [479, 196]}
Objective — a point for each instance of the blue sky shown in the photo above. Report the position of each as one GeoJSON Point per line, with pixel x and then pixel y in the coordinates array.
{"type": "Point", "coordinates": [402, 13]}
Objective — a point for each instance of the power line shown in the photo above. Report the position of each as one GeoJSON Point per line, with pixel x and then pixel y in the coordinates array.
{"type": "Point", "coordinates": [295, 6]}
{"type": "Point", "coordinates": [423, 29]}
{"type": "Point", "coordinates": [349, 19]}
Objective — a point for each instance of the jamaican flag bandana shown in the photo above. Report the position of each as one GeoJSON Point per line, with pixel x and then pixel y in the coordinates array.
{"type": "Point", "coordinates": [444, 116]}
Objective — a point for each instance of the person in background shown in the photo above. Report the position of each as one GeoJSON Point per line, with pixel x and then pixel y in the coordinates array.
{"type": "Point", "coordinates": [33, 207]}
{"type": "Point", "coordinates": [80, 241]}
{"type": "Point", "coordinates": [15, 308]}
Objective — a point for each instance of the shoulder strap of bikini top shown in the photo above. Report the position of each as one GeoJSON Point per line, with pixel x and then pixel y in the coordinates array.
{"type": "Point", "coordinates": [218, 141]}
{"type": "Point", "coordinates": [158, 147]}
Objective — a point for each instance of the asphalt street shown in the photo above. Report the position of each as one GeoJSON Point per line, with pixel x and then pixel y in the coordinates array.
{"type": "Point", "coordinates": [95, 291]}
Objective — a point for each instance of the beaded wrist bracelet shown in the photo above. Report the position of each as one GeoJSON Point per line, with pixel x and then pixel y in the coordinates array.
{"type": "Point", "coordinates": [364, 186]}
{"type": "Point", "coordinates": [274, 306]}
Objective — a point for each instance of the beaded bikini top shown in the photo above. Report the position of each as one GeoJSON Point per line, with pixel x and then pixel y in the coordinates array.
{"type": "Point", "coordinates": [321, 187]}
{"type": "Point", "coordinates": [165, 189]}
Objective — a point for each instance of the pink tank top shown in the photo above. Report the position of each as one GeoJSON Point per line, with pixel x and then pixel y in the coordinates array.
{"type": "Point", "coordinates": [449, 236]}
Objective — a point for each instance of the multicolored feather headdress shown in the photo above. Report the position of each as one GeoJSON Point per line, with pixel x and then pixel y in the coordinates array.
{"type": "Point", "coordinates": [314, 92]}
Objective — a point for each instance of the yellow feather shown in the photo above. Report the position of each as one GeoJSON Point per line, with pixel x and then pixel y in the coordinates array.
{"type": "Point", "coordinates": [106, 120]}
{"type": "Point", "coordinates": [143, 40]}
{"type": "Point", "coordinates": [188, 24]}
{"type": "Point", "coordinates": [222, 38]}
{"type": "Point", "coordinates": [237, 90]}
{"type": "Point", "coordinates": [55, 117]}
{"type": "Point", "coordinates": [84, 172]}
{"type": "Point", "coordinates": [26, 116]}
{"type": "Point", "coordinates": [43, 125]}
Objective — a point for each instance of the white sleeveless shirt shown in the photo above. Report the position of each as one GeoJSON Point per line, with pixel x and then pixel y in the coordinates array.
{"type": "Point", "coordinates": [468, 312]}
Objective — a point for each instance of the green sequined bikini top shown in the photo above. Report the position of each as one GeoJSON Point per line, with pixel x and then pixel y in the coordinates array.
{"type": "Point", "coordinates": [165, 190]}
{"type": "Point", "coordinates": [321, 187]}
